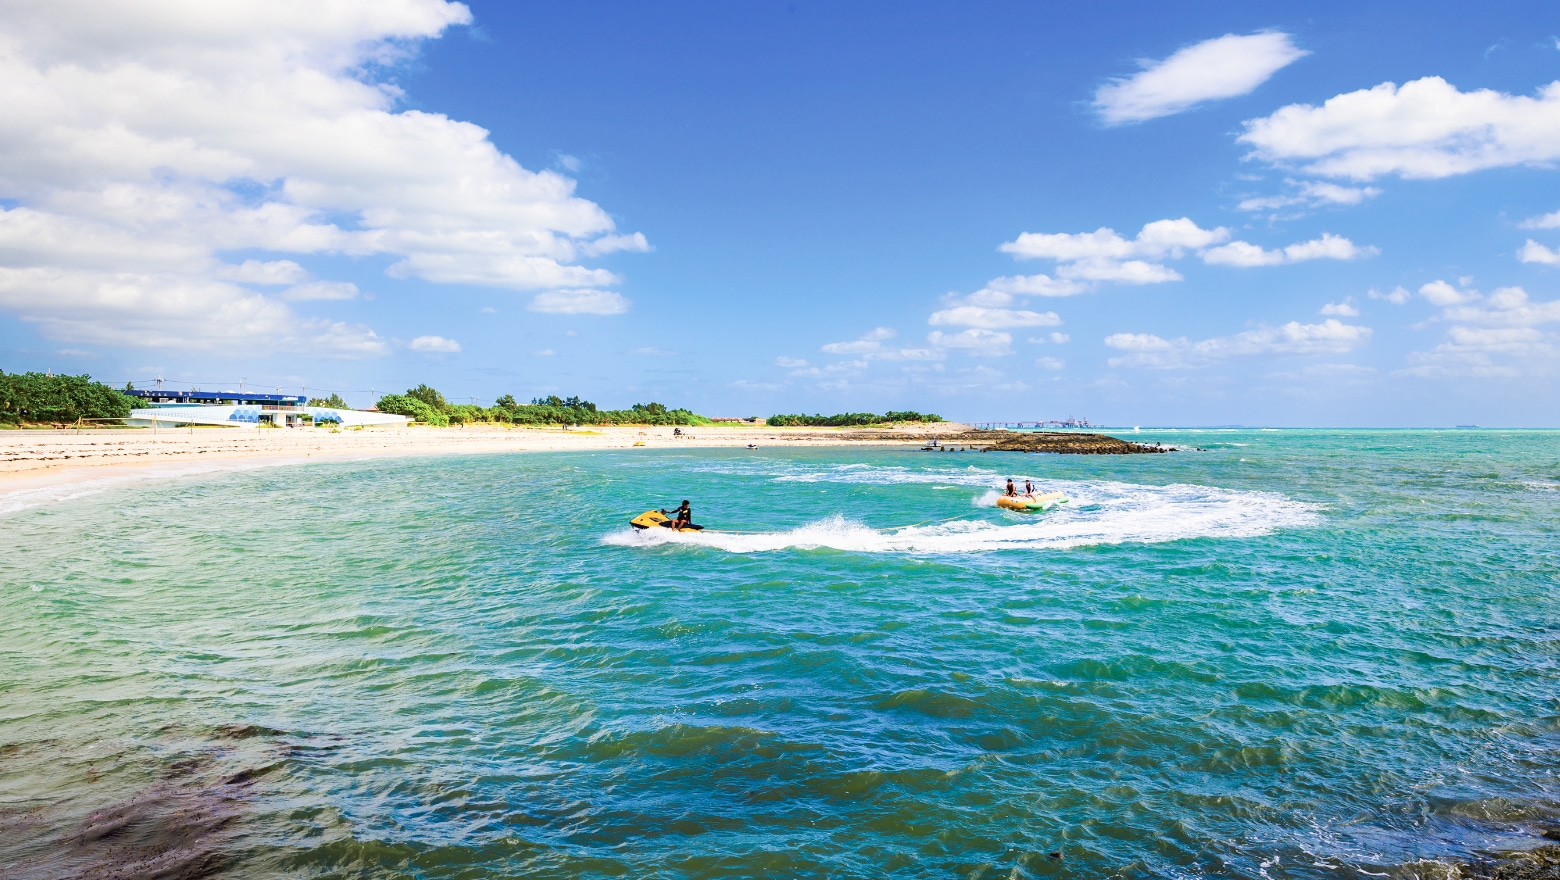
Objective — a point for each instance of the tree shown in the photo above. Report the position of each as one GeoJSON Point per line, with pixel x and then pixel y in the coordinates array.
{"type": "Point", "coordinates": [406, 405]}
{"type": "Point", "coordinates": [334, 401]}
{"type": "Point", "coordinates": [429, 396]}
{"type": "Point", "coordinates": [506, 402]}
{"type": "Point", "coordinates": [45, 398]}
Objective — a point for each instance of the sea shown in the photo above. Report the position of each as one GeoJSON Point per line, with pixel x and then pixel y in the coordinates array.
{"type": "Point", "coordinates": [1271, 654]}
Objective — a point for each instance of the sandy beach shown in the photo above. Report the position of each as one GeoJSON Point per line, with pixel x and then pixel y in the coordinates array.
{"type": "Point", "coordinates": [38, 458]}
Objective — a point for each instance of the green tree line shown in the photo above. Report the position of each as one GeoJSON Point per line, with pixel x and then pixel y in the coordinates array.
{"type": "Point", "coordinates": [428, 406]}
{"type": "Point", "coordinates": [843, 420]}
{"type": "Point", "coordinates": [38, 398]}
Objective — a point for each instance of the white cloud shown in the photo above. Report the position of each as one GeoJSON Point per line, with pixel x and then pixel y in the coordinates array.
{"type": "Point", "coordinates": [1425, 129]}
{"type": "Point", "coordinates": [1155, 352]}
{"type": "Point", "coordinates": [652, 351]}
{"type": "Point", "coordinates": [790, 362]}
{"type": "Point", "coordinates": [1224, 67]}
{"type": "Point", "coordinates": [1533, 252]}
{"type": "Point", "coordinates": [976, 341]}
{"type": "Point", "coordinates": [1397, 295]}
{"type": "Point", "coordinates": [320, 290]}
{"type": "Point", "coordinates": [1502, 341]}
{"type": "Point", "coordinates": [1328, 247]}
{"type": "Point", "coordinates": [608, 244]}
{"type": "Point", "coordinates": [992, 319]}
{"type": "Point", "coordinates": [1442, 294]}
{"type": "Point", "coordinates": [1025, 285]}
{"type": "Point", "coordinates": [1050, 363]}
{"type": "Point", "coordinates": [1312, 194]}
{"type": "Point", "coordinates": [1055, 338]}
{"type": "Point", "coordinates": [579, 302]}
{"type": "Point", "coordinates": [170, 311]}
{"type": "Point", "coordinates": [437, 344]}
{"type": "Point", "coordinates": [257, 272]}
{"type": "Point", "coordinates": [868, 343]}
{"type": "Point", "coordinates": [543, 353]}
{"type": "Point", "coordinates": [142, 141]}
{"type": "Point", "coordinates": [1343, 309]}
{"type": "Point", "coordinates": [1104, 255]}
{"type": "Point", "coordinates": [1543, 221]}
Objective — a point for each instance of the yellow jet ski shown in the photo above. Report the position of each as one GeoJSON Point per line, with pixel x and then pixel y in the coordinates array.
{"type": "Point", "coordinates": [651, 519]}
{"type": "Point", "coordinates": [1031, 503]}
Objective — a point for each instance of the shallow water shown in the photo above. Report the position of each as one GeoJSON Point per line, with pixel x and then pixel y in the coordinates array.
{"type": "Point", "coordinates": [1294, 654]}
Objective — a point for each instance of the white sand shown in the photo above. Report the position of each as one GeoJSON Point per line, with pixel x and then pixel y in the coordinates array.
{"type": "Point", "coordinates": [34, 459]}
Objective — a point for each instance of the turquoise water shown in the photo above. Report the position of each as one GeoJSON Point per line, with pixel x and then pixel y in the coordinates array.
{"type": "Point", "coordinates": [1295, 654]}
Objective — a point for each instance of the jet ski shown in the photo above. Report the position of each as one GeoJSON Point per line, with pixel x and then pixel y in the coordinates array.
{"type": "Point", "coordinates": [1031, 503]}
{"type": "Point", "coordinates": [652, 519]}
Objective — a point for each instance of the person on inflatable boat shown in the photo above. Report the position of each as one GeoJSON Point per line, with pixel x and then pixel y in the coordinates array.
{"type": "Point", "coordinates": [1012, 491]}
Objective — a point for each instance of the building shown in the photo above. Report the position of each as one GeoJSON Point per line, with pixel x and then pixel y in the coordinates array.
{"type": "Point", "coordinates": [244, 409]}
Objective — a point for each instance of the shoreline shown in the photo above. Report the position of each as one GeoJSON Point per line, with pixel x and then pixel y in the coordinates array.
{"type": "Point", "coordinates": [39, 459]}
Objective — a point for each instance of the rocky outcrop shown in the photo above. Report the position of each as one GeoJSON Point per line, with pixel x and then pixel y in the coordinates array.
{"type": "Point", "coordinates": [1062, 442]}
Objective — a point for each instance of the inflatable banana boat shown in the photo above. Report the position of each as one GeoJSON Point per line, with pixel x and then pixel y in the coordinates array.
{"type": "Point", "coordinates": [1031, 503]}
{"type": "Point", "coordinates": [651, 519]}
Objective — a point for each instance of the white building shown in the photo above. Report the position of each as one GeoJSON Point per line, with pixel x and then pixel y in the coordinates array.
{"type": "Point", "coordinates": [242, 409]}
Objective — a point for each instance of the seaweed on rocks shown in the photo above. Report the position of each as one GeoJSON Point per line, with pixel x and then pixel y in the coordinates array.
{"type": "Point", "coordinates": [1542, 863]}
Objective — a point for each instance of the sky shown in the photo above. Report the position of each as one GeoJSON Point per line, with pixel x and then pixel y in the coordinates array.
{"type": "Point", "coordinates": [1322, 214]}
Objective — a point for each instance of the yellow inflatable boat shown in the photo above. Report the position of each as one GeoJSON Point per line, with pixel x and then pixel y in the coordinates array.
{"type": "Point", "coordinates": [1031, 503]}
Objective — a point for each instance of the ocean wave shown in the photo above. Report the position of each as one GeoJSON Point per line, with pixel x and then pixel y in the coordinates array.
{"type": "Point", "coordinates": [1103, 513]}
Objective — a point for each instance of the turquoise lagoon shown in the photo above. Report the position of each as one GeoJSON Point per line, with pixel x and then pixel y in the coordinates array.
{"type": "Point", "coordinates": [1292, 654]}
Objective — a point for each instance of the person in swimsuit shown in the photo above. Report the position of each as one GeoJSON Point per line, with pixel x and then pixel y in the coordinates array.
{"type": "Point", "coordinates": [1012, 491]}
{"type": "Point", "coordinates": [1029, 489]}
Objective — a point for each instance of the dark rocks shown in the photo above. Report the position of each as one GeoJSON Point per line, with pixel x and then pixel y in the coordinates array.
{"type": "Point", "coordinates": [1060, 442]}
{"type": "Point", "coordinates": [1537, 864]}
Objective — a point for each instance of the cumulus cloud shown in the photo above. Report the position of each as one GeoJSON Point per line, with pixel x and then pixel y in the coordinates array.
{"type": "Point", "coordinates": [976, 341]}
{"type": "Point", "coordinates": [1442, 294]}
{"type": "Point", "coordinates": [790, 362]}
{"type": "Point", "coordinates": [1311, 194]}
{"type": "Point", "coordinates": [1050, 363]}
{"type": "Point", "coordinates": [1397, 295]}
{"type": "Point", "coordinates": [579, 302]}
{"type": "Point", "coordinates": [1426, 128]}
{"type": "Point", "coordinates": [992, 319]}
{"type": "Point", "coordinates": [1328, 247]}
{"type": "Point", "coordinates": [142, 142]}
{"type": "Point", "coordinates": [1154, 352]}
{"type": "Point", "coordinates": [870, 342]}
{"type": "Point", "coordinates": [318, 290]}
{"type": "Point", "coordinates": [1492, 336]}
{"type": "Point", "coordinates": [1223, 67]}
{"type": "Point", "coordinates": [1533, 252]}
{"type": "Point", "coordinates": [1343, 309]}
{"type": "Point", "coordinates": [434, 344]}
{"type": "Point", "coordinates": [1543, 221]}
{"type": "Point", "coordinates": [1104, 255]}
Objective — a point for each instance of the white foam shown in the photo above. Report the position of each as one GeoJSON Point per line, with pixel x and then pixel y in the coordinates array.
{"type": "Point", "coordinates": [75, 486]}
{"type": "Point", "coordinates": [1100, 513]}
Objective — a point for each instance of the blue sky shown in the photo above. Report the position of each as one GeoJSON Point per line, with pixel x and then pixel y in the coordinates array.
{"type": "Point", "coordinates": [1241, 213]}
